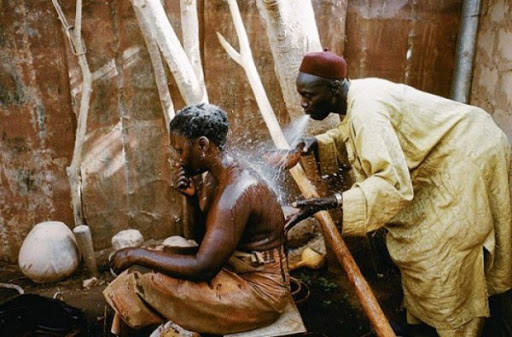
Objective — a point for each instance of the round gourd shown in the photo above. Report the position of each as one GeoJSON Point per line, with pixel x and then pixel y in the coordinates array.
{"type": "Point", "coordinates": [49, 253]}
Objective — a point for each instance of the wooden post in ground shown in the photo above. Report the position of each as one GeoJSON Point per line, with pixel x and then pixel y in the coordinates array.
{"type": "Point", "coordinates": [363, 290]}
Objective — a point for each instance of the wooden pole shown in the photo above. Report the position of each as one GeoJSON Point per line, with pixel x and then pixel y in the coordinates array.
{"type": "Point", "coordinates": [190, 33]}
{"type": "Point", "coordinates": [82, 232]}
{"type": "Point", "coordinates": [363, 290]}
{"type": "Point", "coordinates": [84, 242]}
{"type": "Point", "coordinates": [170, 46]}
{"type": "Point", "coordinates": [158, 67]}
{"type": "Point", "coordinates": [78, 48]}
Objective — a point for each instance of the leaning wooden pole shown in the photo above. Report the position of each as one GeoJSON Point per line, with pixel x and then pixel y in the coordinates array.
{"type": "Point", "coordinates": [363, 290]}
{"type": "Point", "coordinates": [170, 46]}
{"type": "Point", "coordinates": [190, 33]}
{"type": "Point", "coordinates": [158, 67]}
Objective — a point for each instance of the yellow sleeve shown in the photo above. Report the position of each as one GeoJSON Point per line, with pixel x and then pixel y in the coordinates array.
{"type": "Point", "coordinates": [327, 152]}
{"type": "Point", "coordinates": [373, 202]}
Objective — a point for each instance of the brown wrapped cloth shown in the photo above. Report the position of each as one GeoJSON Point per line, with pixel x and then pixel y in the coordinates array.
{"type": "Point", "coordinates": [249, 293]}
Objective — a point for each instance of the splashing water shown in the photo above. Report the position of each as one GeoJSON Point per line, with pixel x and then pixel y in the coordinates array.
{"type": "Point", "coordinates": [252, 156]}
{"type": "Point", "coordinates": [296, 129]}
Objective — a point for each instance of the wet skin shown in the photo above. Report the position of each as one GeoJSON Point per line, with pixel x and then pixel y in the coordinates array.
{"type": "Point", "coordinates": [239, 212]}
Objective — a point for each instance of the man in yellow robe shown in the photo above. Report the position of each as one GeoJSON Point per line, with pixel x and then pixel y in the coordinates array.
{"type": "Point", "coordinates": [436, 173]}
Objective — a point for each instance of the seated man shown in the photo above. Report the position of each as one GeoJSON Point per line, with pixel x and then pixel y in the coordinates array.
{"type": "Point", "coordinates": [238, 279]}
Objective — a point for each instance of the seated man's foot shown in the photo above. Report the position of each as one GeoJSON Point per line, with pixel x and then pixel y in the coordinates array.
{"type": "Point", "coordinates": [171, 329]}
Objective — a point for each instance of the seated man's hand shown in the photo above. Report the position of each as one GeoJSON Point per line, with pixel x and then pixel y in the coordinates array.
{"type": "Point", "coordinates": [308, 208]}
{"type": "Point", "coordinates": [183, 182]}
{"type": "Point", "coordinates": [121, 260]}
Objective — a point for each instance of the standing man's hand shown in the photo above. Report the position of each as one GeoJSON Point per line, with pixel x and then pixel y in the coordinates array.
{"type": "Point", "coordinates": [309, 207]}
{"type": "Point", "coordinates": [183, 182]}
{"type": "Point", "coordinates": [286, 159]}
{"type": "Point", "coordinates": [282, 159]}
{"type": "Point", "coordinates": [306, 145]}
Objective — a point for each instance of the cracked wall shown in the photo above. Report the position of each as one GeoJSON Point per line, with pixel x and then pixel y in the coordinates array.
{"type": "Point", "coordinates": [492, 78]}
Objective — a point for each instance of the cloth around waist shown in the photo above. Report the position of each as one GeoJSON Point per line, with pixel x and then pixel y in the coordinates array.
{"type": "Point", "coordinates": [257, 261]}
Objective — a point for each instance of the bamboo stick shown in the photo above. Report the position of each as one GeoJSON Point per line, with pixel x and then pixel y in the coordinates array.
{"type": "Point", "coordinates": [363, 290]}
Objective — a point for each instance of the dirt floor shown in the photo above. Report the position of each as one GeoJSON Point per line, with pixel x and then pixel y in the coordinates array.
{"type": "Point", "coordinates": [331, 308]}
{"type": "Point", "coordinates": [328, 303]}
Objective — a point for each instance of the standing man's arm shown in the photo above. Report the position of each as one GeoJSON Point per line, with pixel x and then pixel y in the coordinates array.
{"type": "Point", "coordinates": [325, 147]}
{"type": "Point", "coordinates": [373, 202]}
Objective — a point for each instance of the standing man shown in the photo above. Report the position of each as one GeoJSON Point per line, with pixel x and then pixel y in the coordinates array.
{"type": "Point", "coordinates": [436, 173]}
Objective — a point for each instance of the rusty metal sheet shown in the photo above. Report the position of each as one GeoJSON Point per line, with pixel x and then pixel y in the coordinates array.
{"type": "Point", "coordinates": [403, 41]}
{"type": "Point", "coordinates": [36, 123]}
{"type": "Point", "coordinates": [126, 171]}
{"type": "Point", "coordinates": [331, 22]}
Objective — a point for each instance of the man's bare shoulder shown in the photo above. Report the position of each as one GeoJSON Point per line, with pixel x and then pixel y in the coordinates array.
{"type": "Point", "coordinates": [243, 194]}
{"type": "Point", "coordinates": [244, 181]}
{"type": "Point", "coordinates": [243, 185]}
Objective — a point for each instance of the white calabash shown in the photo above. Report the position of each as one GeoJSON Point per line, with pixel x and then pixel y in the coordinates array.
{"type": "Point", "coordinates": [49, 253]}
{"type": "Point", "coordinates": [127, 238]}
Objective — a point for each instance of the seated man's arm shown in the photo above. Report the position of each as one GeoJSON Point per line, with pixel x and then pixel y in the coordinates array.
{"type": "Point", "coordinates": [225, 223]}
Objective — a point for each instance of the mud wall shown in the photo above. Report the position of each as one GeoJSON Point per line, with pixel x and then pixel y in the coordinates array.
{"type": "Point", "coordinates": [492, 77]}
{"type": "Point", "coordinates": [126, 169]}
